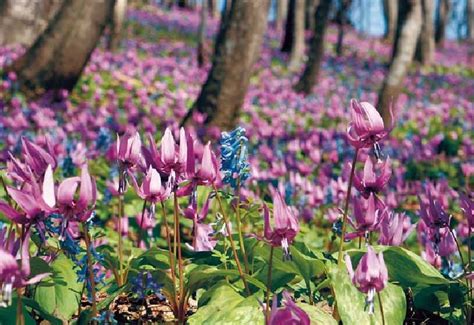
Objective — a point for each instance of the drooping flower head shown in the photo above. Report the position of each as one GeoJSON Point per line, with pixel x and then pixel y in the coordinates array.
{"type": "Point", "coordinates": [394, 229]}
{"type": "Point", "coordinates": [289, 314]}
{"type": "Point", "coordinates": [234, 157]}
{"type": "Point", "coordinates": [467, 206]}
{"type": "Point", "coordinates": [14, 274]}
{"type": "Point", "coordinates": [367, 127]}
{"type": "Point", "coordinates": [370, 276]}
{"type": "Point", "coordinates": [285, 224]}
{"type": "Point", "coordinates": [151, 189]}
{"type": "Point", "coordinates": [366, 220]}
{"type": "Point", "coordinates": [432, 212]}
{"type": "Point", "coordinates": [370, 182]}
{"type": "Point", "coordinates": [129, 155]}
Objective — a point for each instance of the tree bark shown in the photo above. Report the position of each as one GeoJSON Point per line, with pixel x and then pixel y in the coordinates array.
{"type": "Point", "coordinates": [289, 36]}
{"type": "Point", "coordinates": [237, 46]}
{"type": "Point", "coordinates": [201, 48]}
{"type": "Point", "coordinates": [316, 53]}
{"type": "Point", "coordinates": [281, 13]}
{"type": "Point", "coordinates": [22, 21]}
{"type": "Point", "coordinates": [297, 49]}
{"type": "Point", "coordinates": [408, 30]}
{"type": "Point", "coordinates": [213, 8]}
{"type": "Point", "coordinates": [426, 42]}
{"type": "Point", "coordinates": [341, 19]}
{"type": "Point", "coordinates": [442, 14]}
{"type": "Point", "coordinates": [116, 26]}
{"type": "Point", "coordinates": [309, 13]}
{"type": "Point", "coordinates": [470, 19]}
{"type": "Point", "coordinates": [58, 56]}
{"type": "Point", "coordinates": [390, 9]}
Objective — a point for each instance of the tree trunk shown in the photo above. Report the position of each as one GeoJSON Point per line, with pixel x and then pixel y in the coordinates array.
{"type": "Point", "coordinates": [442, 14]}
{"type": "Point", "coordinates": [120, 10]}
{"type": "Point", "coordinates": [22, 21]}
{"type": "Point", "coordinates": [281, 13]}
{"type": "Point", "coordinates": [58, 56]}
{"type": "Point", "coordinates": [202, 49]}
{"type": "Point", "coordinates": [213, 8]}
{"type": "Point", "coordinates": [426, 43]}
{"type": "Point", "coordinates": [408, 30]}
{"type": "Point", "coordinates": [316, 53]}
{"type": "Point", "coordinates": [297, 50]}
{"type": "Point", "coordinates": [390, 9]}
{"type": "Point", "coordinates": [309, 13]}
{"type": "Point", "coordinates": [237, 46]}
{"type": "Point", "coordinates": [470, 19]}
{"type": "Point", "coordinates": [183, 3]}
{"type": "Point", "coordinates": [289, 36]}
{"type": "Point", "coordinates": [341, 21]}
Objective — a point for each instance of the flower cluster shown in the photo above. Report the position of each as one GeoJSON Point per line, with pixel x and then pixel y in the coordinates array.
{"type": "Point", "coordinates": [234, 157]}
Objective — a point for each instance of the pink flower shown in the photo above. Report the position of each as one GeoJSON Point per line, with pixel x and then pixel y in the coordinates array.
{"type": "Point", "coordinates": [467, 206]}
{"type": "Point", "coordinates": [366, 220]}
{"type": "Point", "coordinates": [12, 275]}
{"type": "Point", "coordinates": [37, 158]}
{"type": "Point", "coordinates": [129, 148]}
{"type": "Point", "coordinates": [370, 182]}
{"type": "Point", "coordinates": [394, 229]}
{"type": "Point", "coordinates": [151, 188]}
{"type": "Point", "coordinates": [366, 127]}
{"type": "Point", "coordinates": [289, 314]}
{"type": "Point", "coordinates": [370, 276]}
{"type": "Point", "coordinates": [432, 213]}
{"type": "Point", "coordinates": [80, 208]}
{"type": "Point", "coordinates": [285, 224]}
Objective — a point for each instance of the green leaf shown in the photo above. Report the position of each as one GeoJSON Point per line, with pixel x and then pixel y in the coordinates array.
{"type": "Point", "coordinates": [39, 266]}
{"type": "Point", "coordinates": [60, 293]}
{"type": "Point", "coordinates": [41, 312]}
{"type": "Point", "coordinates": [155, 257]}
{"type": "Point", "coordinates": [202, 276]}
{"type": "Point", "coordinates": [8, 314]}
{"type": "Point", "coordinates": [317, 315]}
{"type": "Point", "coordinates": [222, 305]}
{"type": "Point", "coordinates": [351, 302]}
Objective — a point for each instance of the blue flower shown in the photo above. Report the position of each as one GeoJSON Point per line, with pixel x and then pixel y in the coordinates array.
{"type": "Point", "coordinates": [144, 284]}
{"type": "Point", "coordinates": [234, 157]}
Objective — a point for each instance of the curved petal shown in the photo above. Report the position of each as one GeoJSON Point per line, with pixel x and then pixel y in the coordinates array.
{"type": "Point", "coordinates": [67, 189]}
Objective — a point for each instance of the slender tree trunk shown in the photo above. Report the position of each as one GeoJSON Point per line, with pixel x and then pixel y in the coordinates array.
{"type": "Point", "coordinates": [281, 13]}
{"type": "Point", "coordinates": [22, 21]}
{"type": "Point", "coordinates": [426, 42]}
{"type": "Point", "coordinates": [309, 13]}
{"type": "Point", "coordinates": [213, 8]}
{"type": "Point", "coordinates": [390, 8]}
{"type": "Point", "coordinates": [316, 52]}
{"type": "Point", "coordinates": [202, 50]}
{"type": "Point", "coordinates": [58, 56]}
{"type": "Point", "coordinates": [183, 3]}
{"type": "Point", "coordinates": [116, 26]}
{"type": "Point", "coordinates": [470, 19]}
{"type": "Point", "coordinates": [408, 30]}
{"type": "Point", "coordinates": [442, 14]}
{"type": "Point", "coordinates": [341, 21]}
{"type": "Point", "coordinates": [237, 47]}
{"type": "Point", "coordinates": [297, 50]}
{"type": "Point", "coordinates": [289, 36]}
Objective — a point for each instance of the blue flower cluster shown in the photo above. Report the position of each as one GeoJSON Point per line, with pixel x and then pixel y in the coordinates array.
{"type": "Point", "coordinates": [234, 157]}
{"type": "Point", "coordinates": [143, 283]}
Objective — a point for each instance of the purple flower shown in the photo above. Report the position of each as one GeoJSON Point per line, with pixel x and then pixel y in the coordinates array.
{"type": "Point", "coordinates": [289, 314]}
{"type": "Point", "coordinates": [285, 224]}
{"type": "Point", "coordinates": [366, 220]}
{"type": "Point", "coordinates": [370, 182]}
{"type": "Point", "coordinates": [129, 148]}
{"type": "Point", "coordinates": [12, 275]}
{"type": "Point", "coordinates": [370, 276]}
{"type": "Point", "coordinates": [467, 206]}
{"type": "Point", "coordinates": [366, 127]}
{"type": "Point", "coordinates": [394, 229]}
{"type": "Point", "coordinates": [203, 239]}
{"type": "Point", "coordinates": [432, 213]}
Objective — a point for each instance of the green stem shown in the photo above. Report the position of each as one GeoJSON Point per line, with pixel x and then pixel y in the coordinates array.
{"type": "Point", "coordinates": [120, 240]}
{"type": "Point", "coordinates": [469, 270]}
{"type": "Point", "coordinates": [170, 253]}
{"type": "Point", "coordinates": [90, 269]}
{"type": "Point", "coordinates": [346, 208]}
{"type": "Point", "coordinates": [239, 228]}
{"type": "Point", "coordinates": [381, 308]}
{"type": "Point", "coordinates": [269, 285]}
{"type": "Point", "coordinates": [232, 244]}
{"type": "Point", "coordinates": [181, 300]}
{"type": "Point", "coordinates": [20, 320]}
{"type": "Point", "coordinates": [140, 230]}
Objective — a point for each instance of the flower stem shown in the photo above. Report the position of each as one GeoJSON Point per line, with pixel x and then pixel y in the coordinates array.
{"type": "Point", "coordinates": [346, 208]}
{"type": "Point", "coordinates": [232, 244]}
{"type": "Point", "coordinates": [269, 285]}
{"type": "Point", "coordinates": [381, 308]}
{"type": "Point", "coordinates": [90, 270]}
{"type": "Point", "coordinates": [120, 240]}
{"type": "Point", "coordinates": [469, 271]}
{"type": "Point", "coordinates": [181, 300]}
{"type": "Point", "coordinates": [140, 230]}
{"type": "Point", "coordinates": [20, 319]}
{"type": "Point", "coordinates": [239, 227]}
{"type": "Point", "coordinates": [170, 253]}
